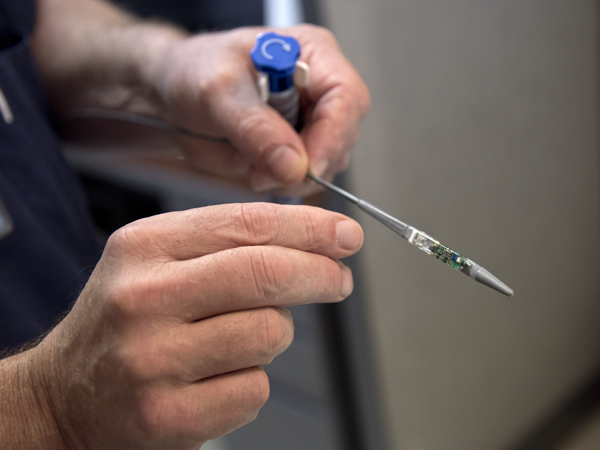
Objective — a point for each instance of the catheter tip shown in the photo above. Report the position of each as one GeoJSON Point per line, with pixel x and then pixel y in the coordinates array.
{"type": "Point", "coordinates": [485, 277]}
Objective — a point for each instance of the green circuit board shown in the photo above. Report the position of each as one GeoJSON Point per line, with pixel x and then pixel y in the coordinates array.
{"type": "Point", "coordinates": [448, 256]}
{"type": "Point", "coordinates": [444, 254]}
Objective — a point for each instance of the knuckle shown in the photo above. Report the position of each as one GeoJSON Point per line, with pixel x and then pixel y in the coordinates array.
{"type": "Point", "coordinates": [142, 362]}
{"type": "Point", "coordinates": [134, 239]}
{"type": "Point", "coordinates": [253, 124]}
{"type": "Point", "coordinates": [271, 333]}
{"type": "Point", "coordinates": [255, 221]}
{"type": "Point", "coordinates": [334, 278]}
{"type": "Point", "coordinates": [155, 414]}
{"type": "Point", "coordinates": [319, 229]}
{"type": "Point", "coordinates": [258, 390]}
{"type": "Point", "coordinates": [121, 239]}
{"type": "Point", "coordinates": [223, 78]}
{"type": "Point", "coordinates": [132, 295]}
{"type": "Point", "coordinates": [122, 299]}
{"type": "Point", "coordinates": [163, 415]}
{"type": "Point", "coordinates": [268, 273]}
{"type": "Point", "coordinates": [240, 402]}
{"type": "Point", "coordinates": [313, 228]}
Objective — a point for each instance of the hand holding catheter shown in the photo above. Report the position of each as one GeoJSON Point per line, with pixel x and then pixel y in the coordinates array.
{"type": "Point", "coordinates": [275, 57]}
{"type": "Point", "coordinates": [278, 87]}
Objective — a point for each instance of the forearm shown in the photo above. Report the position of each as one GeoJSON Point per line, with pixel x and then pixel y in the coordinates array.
{"type": "Point", "coordinates": [91, 53]}
{"type": "Point", "coordinates": [25, 419]}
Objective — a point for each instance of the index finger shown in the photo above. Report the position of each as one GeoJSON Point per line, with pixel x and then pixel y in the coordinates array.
{"type": "Point", "coordinates": [194, 233]}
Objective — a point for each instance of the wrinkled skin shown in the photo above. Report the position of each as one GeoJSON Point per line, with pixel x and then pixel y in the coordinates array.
{"type": "Point", "coordinates": [164, 347]}
{"type": "Point", "coordinates": [217, 95]}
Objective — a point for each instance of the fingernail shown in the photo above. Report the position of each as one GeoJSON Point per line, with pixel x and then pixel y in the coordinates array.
{"type": "Point", "coordinates": [349, 234]}
{"type": "Point", "coordinates": [262, 182]}
{"type": "Point", "coordinates": [318, 168]}
{"type": "Point", "coordinates": [347, 281]}
{"type": "Point", "coordinates": [283, 162]}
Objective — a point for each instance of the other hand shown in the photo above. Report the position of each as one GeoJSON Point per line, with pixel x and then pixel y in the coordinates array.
{"type": "Point", "coordinates": [165, 344]}
{"type": "Point", "coordinates": [208, 85]}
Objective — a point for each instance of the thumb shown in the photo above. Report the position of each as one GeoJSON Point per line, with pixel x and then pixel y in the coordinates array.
{"type": "Point", "coordinates": [266, 140]}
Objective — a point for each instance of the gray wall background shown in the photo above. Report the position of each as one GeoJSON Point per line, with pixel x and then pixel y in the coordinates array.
{"type": "Point", "coordinates": [483, 133]}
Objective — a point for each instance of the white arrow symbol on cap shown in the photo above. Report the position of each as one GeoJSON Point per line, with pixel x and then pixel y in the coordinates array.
{"type": "Point", "coordinates": [286, 46]}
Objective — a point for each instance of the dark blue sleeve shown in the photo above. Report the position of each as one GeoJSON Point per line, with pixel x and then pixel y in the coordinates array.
{"type": "Point", "coordinates": [19, 14]}
{"type": "Point", "coordinates": [48, 255]}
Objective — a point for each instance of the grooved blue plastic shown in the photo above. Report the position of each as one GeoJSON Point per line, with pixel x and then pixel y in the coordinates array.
{"type": "Point", "coordinates": [276, 55]}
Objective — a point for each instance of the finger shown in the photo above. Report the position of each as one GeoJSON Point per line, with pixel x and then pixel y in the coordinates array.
{"type": "Point", "coordinates": [329, 135]}
{"type": "Point", "coordinates": [178, 417]}
{"type": "Point", "coordinates": [237, 340]}
{"type": "Point", "coordinates": [225, 343]}
{"type": "Point", "coordinates": [253, 277]}
{"type": "Point", "coordinates": [236, 280]}
{"type": "Point", "coordinates": [198, 232]}
{"type": "Point", "coordinates": [261, 135]}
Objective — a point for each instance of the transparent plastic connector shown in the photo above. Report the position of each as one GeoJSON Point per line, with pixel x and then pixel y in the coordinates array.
{"type": "Point", "coordinates": [445, 254]}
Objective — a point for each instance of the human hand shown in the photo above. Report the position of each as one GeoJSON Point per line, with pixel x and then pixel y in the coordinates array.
{"type": "Point", "coordinates": [208, 85]}
{"type": "Point", "coordinates": [164, 347]}
{"type": "Point", "coordinates": [93, 55]}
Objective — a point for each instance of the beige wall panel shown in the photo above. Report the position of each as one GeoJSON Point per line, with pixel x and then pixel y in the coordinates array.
{"type": "Point", "coordinates": [483, 133]}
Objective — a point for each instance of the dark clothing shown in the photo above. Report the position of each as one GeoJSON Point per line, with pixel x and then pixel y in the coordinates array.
{"type": "Point", "coordinates": [47, 257]}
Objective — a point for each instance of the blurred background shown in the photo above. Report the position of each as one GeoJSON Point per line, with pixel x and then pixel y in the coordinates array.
{"type": "Point", "coordinates": [484, 132]}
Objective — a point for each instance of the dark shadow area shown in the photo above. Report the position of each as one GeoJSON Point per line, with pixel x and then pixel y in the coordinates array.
{"type": "Point", "coordinates": [113, 206]}
{"type": "Point", "coordinates": [562, 424]}
{"type": "Point", "coordinates": [198, 15]}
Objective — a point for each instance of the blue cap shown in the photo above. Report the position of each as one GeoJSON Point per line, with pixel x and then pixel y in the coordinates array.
{"type": "Point", "coordinates": [276, 55]}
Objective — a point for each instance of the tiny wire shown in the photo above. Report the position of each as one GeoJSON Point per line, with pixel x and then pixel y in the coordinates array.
{"type": "Point", "coordinates": [333, 187]}
{"type": "Point", "coordinates": [90, 113]}
{"type": "Point", "coordinates": [86, 113]}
